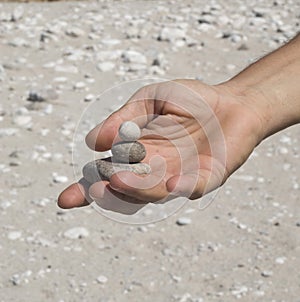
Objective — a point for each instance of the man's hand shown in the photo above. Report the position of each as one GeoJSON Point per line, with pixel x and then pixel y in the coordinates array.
{"type": "Point", "coordinates": [195, 136]}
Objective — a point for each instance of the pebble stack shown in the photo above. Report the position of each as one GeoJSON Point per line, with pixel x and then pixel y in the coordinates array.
{"type": "Point", "coordinates": [126, 156]}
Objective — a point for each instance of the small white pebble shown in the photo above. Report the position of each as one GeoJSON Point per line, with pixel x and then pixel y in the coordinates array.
{"type": "Point", "coordinates": [266, 274]}
{"type": "Point", "coordinates": [59, 178]}
{"type": "Point", "coordinates": [280, 260]}
{"type": "Point", "coordinates": [14, 235]}
{"type": "Point", "coordinates": [102, 279]}
{"type": "Point", "coordinates": [184, 221]}
{"type": "Point", "coordinates": [89, 98]}
{"type": "Point", "coordinates": [76, 233]}
{"type": "Point", "coordinates": [129, 131]}
{"type": "Point", "coordinates": [79, 85]}
{"type": "Point", "coordinates": [242, 226]}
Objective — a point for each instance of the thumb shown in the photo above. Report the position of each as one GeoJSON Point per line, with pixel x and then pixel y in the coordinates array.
{"type": "Point", "coordinates": [139, 109]}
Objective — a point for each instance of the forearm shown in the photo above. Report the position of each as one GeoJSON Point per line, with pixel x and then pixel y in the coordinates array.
{"type": "Point", "coordinates": [271, 86]}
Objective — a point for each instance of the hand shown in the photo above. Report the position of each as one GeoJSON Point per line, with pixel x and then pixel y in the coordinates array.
{"type": "Point", "coordinates": [195, 135]}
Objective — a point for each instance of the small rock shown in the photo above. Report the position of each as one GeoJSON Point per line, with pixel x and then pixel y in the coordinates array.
{"type": "Point", "coordinates": [5, 17]}
{"type": "Point", "coordinates": [59, 178]}
{"type": "Point", "coordinates": [128, 152]}
{"type": "Point", "coordinates": [102, 279]}
{"type": "Point", "coordinates": [132, 56]}
{"type": "Point", "coordinates": [60, 79]}
{"type": "Point", "coordinates": [8, 131]}
{"type": "Point", "coordinates": [17, 279]}
{"type": "Point", "coordinates": [75, 32]}
{"type": "Point", "coordinates": [171, 34]}
{"type": "Point", "coordinates": [48, 109]}
{"type": "Point", "coordinates": [5, 204]}
{"type": "Point", "coordinates": [14, 235]}
{"type": "Point", "coordinates": [66, 69]}
{"type": "Point", "coordinates": [79, 85]}
{"type": "Point", "coordinates": [132, 33]}
{"type": "Point", "coordinates": [102, 169]}
{"type": "Point", "coordinates": [280, 260]}
{"type": "Point", "coordinates": [129, 131]}
{"type": "Point", "coordinates": [43, 95]}
{"type": "Point", "coordinates": [76, 233]}
{"type": "Point", "coordinates": [110, 42]}
{"type": "Point", "coordinates": [159, 60]}
{"type": "Point", "coordinates": [89, 98]}
{"type": "Point", "coordinates": [41, 202]}
{"type": "Point", "coordinates": [239, 291]}
{"type": "Point", "coordinates": [183, 221]}
{"type": "Point", "coordinates": [106, 66]}
{"type": "Point", "coordinates": [17, 13]}
{"type": "Point", "coordinates": [243, 46]}
{"type": "Point", "coordinates": [2, 73]}
{"type": "Point", "coordinates": [17, 42]}
{"type": "Point", "coordinates": [22, 120]}
{"type": "Point", "coordinates": [266, 274]}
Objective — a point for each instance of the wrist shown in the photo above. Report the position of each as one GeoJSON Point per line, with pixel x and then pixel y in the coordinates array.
{"type": "Point", "coordinates": [274, 106]}
{"type": "Point", "coordinates": [256, 107]}
{"type": "Point", "coordinates": [271, 88]}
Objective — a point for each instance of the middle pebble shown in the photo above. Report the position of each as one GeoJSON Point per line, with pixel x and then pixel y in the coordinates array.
{"type": "Point", "coordinates": [128, 152]}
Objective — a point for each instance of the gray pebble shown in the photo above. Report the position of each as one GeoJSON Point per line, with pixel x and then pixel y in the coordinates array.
{"type": "Point", "coordinates": [128, 152]}
{"type": "Point", "coordinates": [101, 169]}
{"type": "Point", "coordinates": [43, 95]}
{"type": "Point", "coordinates": [132, 56]}
{"type": "Point", "coordinates": [129, 131]}
{"type": "Point", "coordinates": [8, 132]}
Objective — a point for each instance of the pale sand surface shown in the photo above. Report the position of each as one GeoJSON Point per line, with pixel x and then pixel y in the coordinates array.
{"type": "Point", "coordinates": [245, 246]}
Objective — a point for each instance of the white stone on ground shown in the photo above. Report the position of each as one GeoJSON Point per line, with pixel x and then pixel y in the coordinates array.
{"type": "Point", "coordinates": [76, 233]}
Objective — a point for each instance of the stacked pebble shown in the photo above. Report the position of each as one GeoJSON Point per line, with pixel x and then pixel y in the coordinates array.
{"type": "Point", "coordinates": [127, 156]}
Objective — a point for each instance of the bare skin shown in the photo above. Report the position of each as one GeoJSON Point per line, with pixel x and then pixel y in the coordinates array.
{"type": "Point", "coordinates": [260, 101]}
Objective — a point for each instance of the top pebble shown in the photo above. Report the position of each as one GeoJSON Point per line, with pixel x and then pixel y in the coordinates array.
{"type": "Point", "coordinates": [129, 131]}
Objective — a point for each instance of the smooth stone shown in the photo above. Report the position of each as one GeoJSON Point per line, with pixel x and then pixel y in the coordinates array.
{"type": "Point", "coordinates": [102, 169]}
{"type": "Point", "coordinates": [105, 66]}
{"type": "Point", "coordinates": [76, 233]}
{"type": "Point", "coordinates": [132, 56]}
{"type": "Point", "coordinates": [129, 131]}
{"type": "Point", "coordinates": [128, 152]}
{"type": "Point", "coordinates": [183, 221]}
{"type": "Point", "coordinates": [102, 279]}
{"type": "Point", "coordinates": [43, 95]}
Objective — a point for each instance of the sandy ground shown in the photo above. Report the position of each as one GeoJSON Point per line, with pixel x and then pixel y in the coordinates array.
{"type": "Point", "coordinates": [245, 246]}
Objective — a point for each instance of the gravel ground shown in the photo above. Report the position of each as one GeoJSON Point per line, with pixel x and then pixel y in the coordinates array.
{"type": "Point", "coordinates": [55, 59]}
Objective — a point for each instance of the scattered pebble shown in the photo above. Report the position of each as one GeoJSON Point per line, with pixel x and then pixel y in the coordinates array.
{"type": "Point", "coordinates": [59, 178]}
{"type": "Point", "coordinates": [43, 95]}
{"type": "Point", "coordinates": [102, 279]}
{"type": "Point", "coordinates": [132, 56]}
{"type": "Point", "coordinates": [106, 66]}
{"type": "Point", "coordinates": [75, 32]}
{"type": "Point", "coordinates": [76, 233]}
{"type": "Point", "coordinates": [280, 260]}
{"type": "Point", "coordinates": [21, 278]}
{"type": "Point", "coordinates": [14, 235]}
{"type": "Point", "coordinates": [183, 221]}
{"type": "Point", "coordinates": [266, 274]}
{"type": "Point", "coordinates": [8, 132]}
